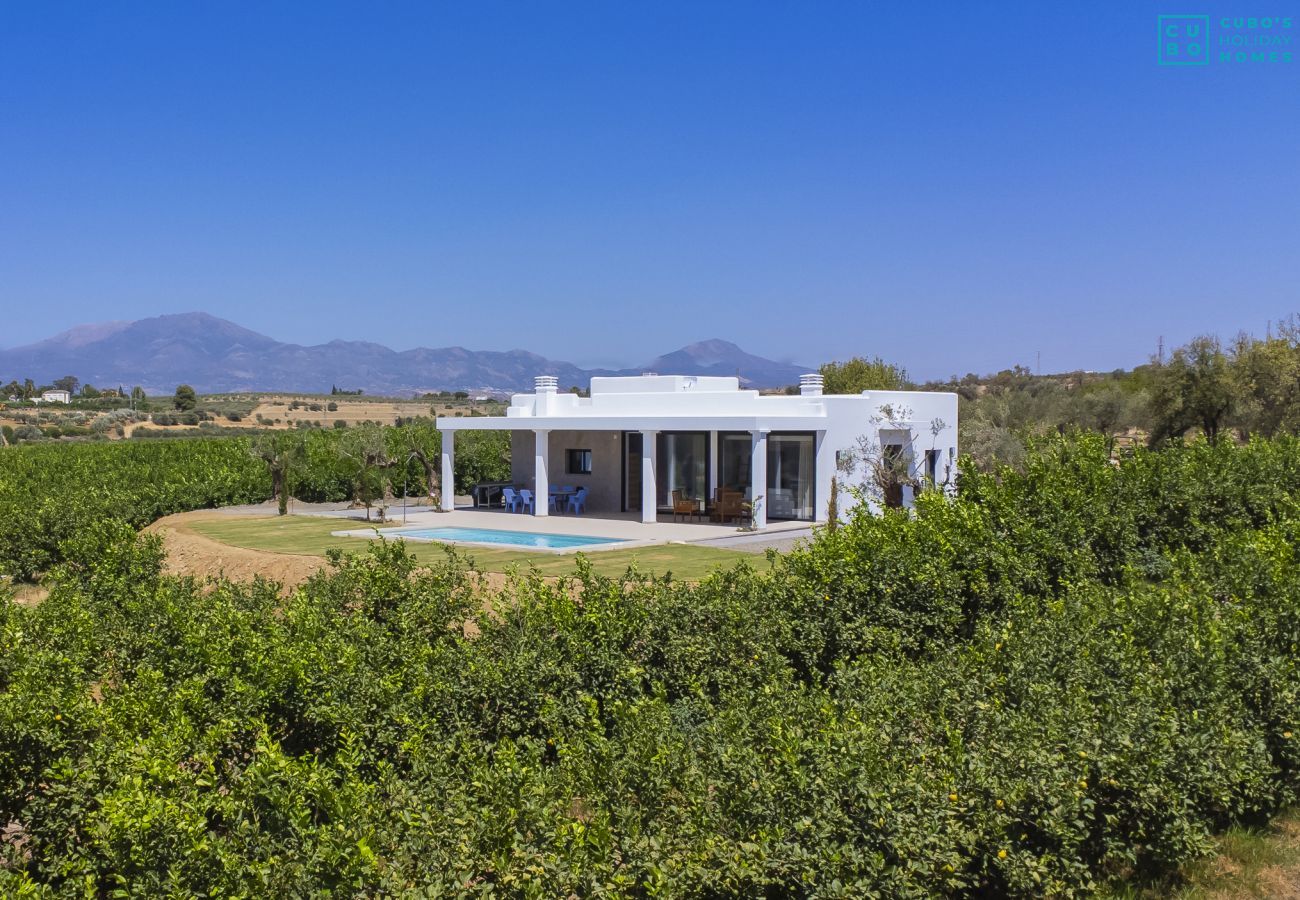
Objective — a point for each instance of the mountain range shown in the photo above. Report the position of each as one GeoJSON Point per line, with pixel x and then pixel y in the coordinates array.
{"type": "Point", "coordinates": [217, 356]}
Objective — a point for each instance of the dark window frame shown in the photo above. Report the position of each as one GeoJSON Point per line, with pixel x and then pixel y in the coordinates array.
{"type": "Point", "coordinates": [569, 468]}
{"type": "Point", "coordinates": [813, 486]}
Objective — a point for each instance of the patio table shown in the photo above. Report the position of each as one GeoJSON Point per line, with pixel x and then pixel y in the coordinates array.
{"type": "Point", "coordinates": [562, 498]}
{"type": "Point", "coordinates": [486, 493]}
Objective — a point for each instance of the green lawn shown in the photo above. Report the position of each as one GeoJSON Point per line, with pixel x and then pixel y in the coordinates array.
{"type": "Point", "coordinates": [311, 535]}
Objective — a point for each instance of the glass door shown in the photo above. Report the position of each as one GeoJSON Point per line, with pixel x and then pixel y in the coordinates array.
{"type": "Point", "coordinates": [735, 453]}
{"type": "Point", "coordinates": [632, 442]}
{"type": "Point", "coordinates": [683, 465]}
{"type": "Point", "coordinates": [791, 462]}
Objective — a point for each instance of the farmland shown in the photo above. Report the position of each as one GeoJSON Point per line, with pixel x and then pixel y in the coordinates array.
{"type": "Point", "coordinates": [1071, 674]}
{"type": "Point", "coordinates": [219, 414]}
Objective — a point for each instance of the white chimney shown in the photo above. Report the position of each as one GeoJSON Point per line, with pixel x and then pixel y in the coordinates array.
{"type": "Point", "coordinates": [545, 386]}
{"type": "Point", "coordinates": [810, 385]}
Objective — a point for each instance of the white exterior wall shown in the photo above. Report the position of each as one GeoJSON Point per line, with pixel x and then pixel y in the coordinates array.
{"type": "Point", "coordinates": [930, 422]}
{"type": "Point", "coordinates": [926, 420]}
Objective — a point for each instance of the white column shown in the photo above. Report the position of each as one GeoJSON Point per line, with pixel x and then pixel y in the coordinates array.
{"type": "Point", "coordinates": [758, 476]}
{"type": "Point", "coordinates": [448, 471]}
{"type": "Point", "coordinates": [649, 493]}
{"type": "Point", "coordinates": [541, 474]}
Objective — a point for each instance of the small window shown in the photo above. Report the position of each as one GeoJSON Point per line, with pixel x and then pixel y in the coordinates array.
{"type": "Point", "coordinates": [577, 462]}
{"type": "Point", "coordinates": [932, 466]}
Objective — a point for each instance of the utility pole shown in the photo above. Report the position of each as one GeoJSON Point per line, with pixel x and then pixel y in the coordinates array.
{"type": "Point", "coordinates": [1160, 350]}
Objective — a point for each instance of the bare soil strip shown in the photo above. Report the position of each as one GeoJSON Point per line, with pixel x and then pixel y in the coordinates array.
{"type": "Point", "coordinates": [190, 553]}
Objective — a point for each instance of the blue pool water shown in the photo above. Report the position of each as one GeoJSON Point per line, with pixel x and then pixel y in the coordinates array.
{"type": "Point", "coordinates": [505, 538]}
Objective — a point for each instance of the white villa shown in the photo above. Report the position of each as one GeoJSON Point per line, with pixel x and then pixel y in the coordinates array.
{"type": "Point", "coordinates": [57, 396]}
{"type": "Point", "coordinates": [648, 444]}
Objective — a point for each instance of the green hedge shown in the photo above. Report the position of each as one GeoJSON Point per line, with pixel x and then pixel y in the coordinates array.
{"type": "Point", "coordinates": [49, 493]}
{"type": "Point", "coordinates": [1059, 678]}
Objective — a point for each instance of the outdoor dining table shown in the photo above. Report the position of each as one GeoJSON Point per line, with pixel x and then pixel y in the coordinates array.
{"type": "Point", "coordinates": [562, 497]}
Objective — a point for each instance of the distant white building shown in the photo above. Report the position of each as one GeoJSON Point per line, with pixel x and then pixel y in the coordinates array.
{"type": "Point", "coordinates": [635, 441]}
{"type": "Point", "coordinates": [55, 397]}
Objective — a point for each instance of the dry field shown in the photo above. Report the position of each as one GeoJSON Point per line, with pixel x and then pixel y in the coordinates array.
{"type": "Point", "coordinates": [275, 412]}
{"type": "Point", "coordinates": [354, 410]}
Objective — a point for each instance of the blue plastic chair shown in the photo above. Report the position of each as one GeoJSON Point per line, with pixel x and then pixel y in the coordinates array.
{"type": "Point", "coordinates": [526, 498]}
{"type": "Point", "coordinates": [552, 501]}
{"type": "Point", "coordinates": [509, 499]}
{"type": "Point", "coordinates": [578, 502]}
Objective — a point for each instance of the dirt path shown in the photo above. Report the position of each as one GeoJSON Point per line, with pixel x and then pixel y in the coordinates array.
{"type": "Point", "coordinates": [30, 594]}
{"type": "Point", "coordinates": [190, 553]}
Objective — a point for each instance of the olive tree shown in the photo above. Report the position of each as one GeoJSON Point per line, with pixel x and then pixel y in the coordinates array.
{"type": "Point", "coordinates": [1266, 383]}
{"type": "Point", "coordinates": [421, 441]}
{"type": "Point", "coordinates": [284, 454]}
{"type": "Point", "coordinates": [365, 457]}
{"type": "Point", "coordinates": [859, 374]}
{"type": "Point", "coordinates": [1194, 389]}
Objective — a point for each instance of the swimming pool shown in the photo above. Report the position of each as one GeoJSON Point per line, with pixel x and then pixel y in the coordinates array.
{"type": "Point", "coordinates": [504, 538]}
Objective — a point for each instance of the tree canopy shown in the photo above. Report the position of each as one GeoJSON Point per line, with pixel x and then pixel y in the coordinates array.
{"type": "Point", "coordinates": [860, 374]}
{"type": "Point", "coordinates": [185, 399]}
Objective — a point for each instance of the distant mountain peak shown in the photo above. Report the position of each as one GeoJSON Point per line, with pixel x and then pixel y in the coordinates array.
{"type": "Point", "coordinates": [80, 335]}
{"type": "Point", "coordinates": [217, 355]}
{"type": "Point", "coordinates": [716, 356]}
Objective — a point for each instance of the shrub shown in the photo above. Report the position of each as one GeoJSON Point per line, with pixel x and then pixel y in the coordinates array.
{"type": "Point", "coordinates": [1068, 672]}
{"type": "Point", "coordinates": [992, 697]}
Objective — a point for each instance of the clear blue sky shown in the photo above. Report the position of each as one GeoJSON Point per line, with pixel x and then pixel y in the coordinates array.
{"type": "Point", "coordinates": [953, 187]}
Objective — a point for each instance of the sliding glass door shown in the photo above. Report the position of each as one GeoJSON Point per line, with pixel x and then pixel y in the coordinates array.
{"type": "Point", "coordinates": [683, 465]}
{"type": "Point", "coordinates": [791, 468]}
{"type": "Point", "coordinates": [735, 452]}
{"type": "Point", "coordinates": [791, 462]}
{"type": "Point", "coordinates": [632, 442]}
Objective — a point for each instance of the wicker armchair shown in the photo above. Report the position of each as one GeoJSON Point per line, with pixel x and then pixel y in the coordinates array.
{"type": "Point", "coordinates": [729, 505]}
{"type": "Point", "coordinates": [683, 505]}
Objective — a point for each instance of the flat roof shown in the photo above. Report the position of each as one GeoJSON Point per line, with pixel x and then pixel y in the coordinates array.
{"type": "Point", "coordinates": [702, 422]}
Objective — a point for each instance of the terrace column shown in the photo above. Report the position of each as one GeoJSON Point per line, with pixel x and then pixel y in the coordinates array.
{"type": "Point", "coordinates": [649, 493]}
{"type": "Point", "coordinates": [448, 471]}
{"type": "Point", "coordinates": [541, 472]}
{"type": "Point", "coordinates": [758, 476]}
